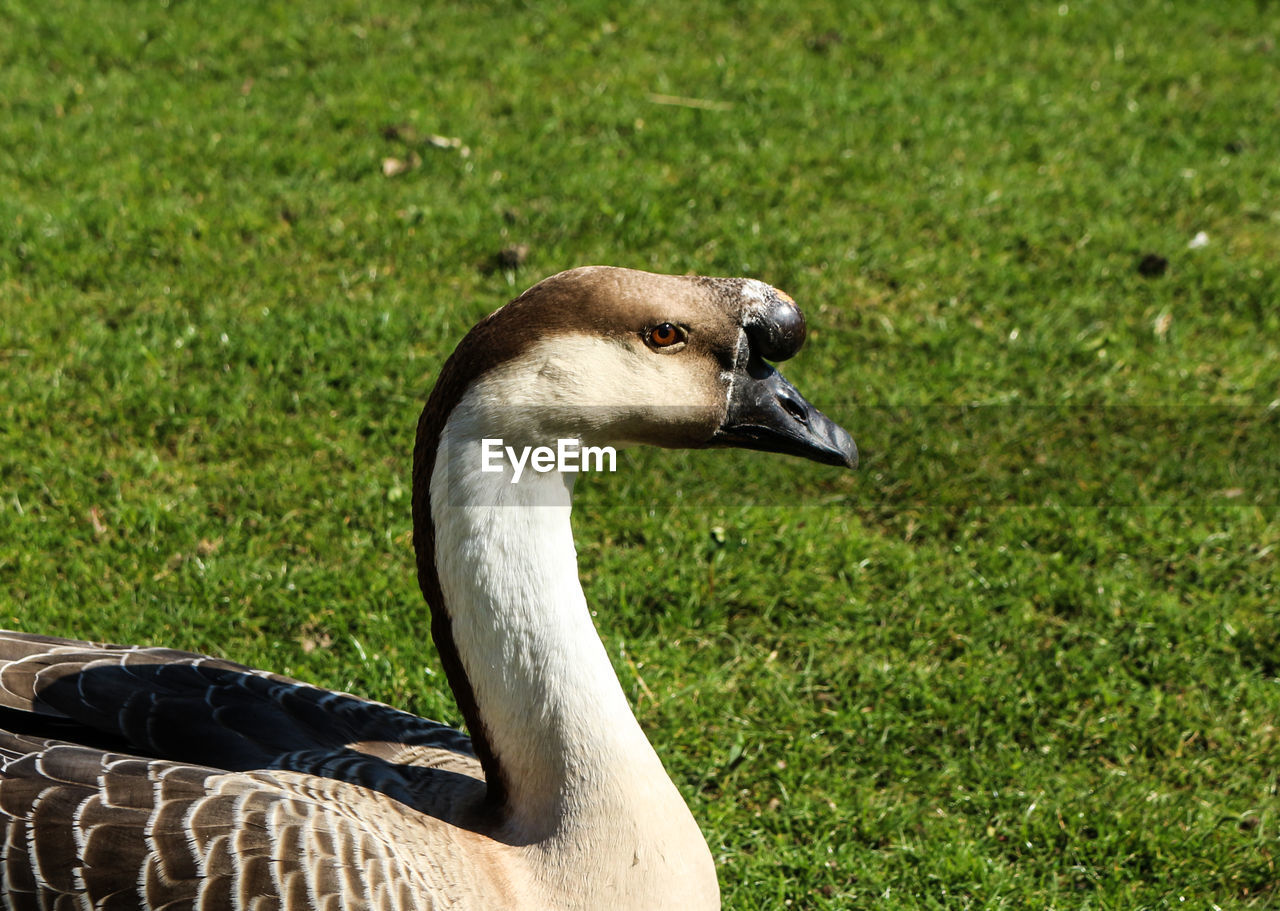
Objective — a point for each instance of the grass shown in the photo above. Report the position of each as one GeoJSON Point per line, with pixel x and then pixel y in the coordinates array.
{"type": "Point", "coordinates": [937, 683]}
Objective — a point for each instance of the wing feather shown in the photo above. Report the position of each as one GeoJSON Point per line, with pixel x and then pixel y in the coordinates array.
{"type": "Point", "coordinates": [142, 778]}
{"type": "Point", "coordinates": [213, 840]}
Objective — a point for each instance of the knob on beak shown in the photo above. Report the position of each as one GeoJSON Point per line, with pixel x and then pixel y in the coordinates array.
{"type": "Point", "coordinates": [777, 329]}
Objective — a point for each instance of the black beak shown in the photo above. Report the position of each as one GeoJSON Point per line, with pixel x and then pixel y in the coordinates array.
{"type": "Point", "coordinates": [767, 413]}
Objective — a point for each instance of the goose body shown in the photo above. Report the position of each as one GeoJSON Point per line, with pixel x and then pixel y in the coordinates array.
{"type": "Point", "coordinates": [146, 778]}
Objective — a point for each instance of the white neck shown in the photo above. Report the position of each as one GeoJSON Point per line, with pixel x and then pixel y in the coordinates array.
{"type": "Point", "coordinates": [584, 787]}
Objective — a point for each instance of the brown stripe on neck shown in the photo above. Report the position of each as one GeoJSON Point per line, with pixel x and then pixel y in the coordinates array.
{"type": "Point", "coordinates": [456, 376]}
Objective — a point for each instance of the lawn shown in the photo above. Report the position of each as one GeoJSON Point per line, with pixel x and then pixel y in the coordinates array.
{"type": "Point", "coordinates": [1028, 656]}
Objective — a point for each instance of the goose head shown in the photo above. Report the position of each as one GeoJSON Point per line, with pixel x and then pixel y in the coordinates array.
{"type": "Point", "coordinates": [612, 356]}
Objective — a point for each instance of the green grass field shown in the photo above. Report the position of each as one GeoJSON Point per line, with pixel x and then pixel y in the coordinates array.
{"type": "Point", "coordinates": [1027, 657]}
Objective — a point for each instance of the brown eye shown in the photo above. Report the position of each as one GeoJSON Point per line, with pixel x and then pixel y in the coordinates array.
{"type": "Point", "coordinates": [664, 335]}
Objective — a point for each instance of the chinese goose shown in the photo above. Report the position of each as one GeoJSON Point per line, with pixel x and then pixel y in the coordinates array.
{"type": "Point", "coordinates": [149, 778]}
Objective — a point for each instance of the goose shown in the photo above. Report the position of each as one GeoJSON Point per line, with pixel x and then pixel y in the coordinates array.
{"type": "Point", "coordinates": [148, 778]}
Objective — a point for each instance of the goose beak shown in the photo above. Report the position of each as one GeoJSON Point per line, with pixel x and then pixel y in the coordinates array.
{"type": "Point", "coordinates": [767, 413]}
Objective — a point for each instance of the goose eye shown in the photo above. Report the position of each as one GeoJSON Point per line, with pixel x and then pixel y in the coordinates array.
{"type": "Point", "coordinates": [664, 335]}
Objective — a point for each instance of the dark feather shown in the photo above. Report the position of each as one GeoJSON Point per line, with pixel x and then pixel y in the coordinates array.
{"type": "Point", "coordinates": [143, 779]}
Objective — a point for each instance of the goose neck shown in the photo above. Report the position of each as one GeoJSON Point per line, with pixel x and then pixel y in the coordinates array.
{"type": "Point", "coordinates": [553, 715]}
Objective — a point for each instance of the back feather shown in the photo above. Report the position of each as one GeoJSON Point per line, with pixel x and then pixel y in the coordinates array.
{"type": "Point", "coordinates": [145, 778]}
